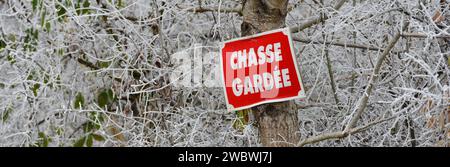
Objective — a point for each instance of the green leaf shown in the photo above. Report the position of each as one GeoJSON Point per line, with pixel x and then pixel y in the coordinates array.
{"type": "Point", "coordinates": [2, 45]}
{"type": "Point", "coordinates": [448, 61]}
{"type": "Point", "coordinates": [31, 75]}
{"type": "Point", "coordinates": [61, 11]}
{"type": "Point", "coordinates": [60, 52]}
{"type": "Point", "coordinates": [68, 2]}
{"type": "Point", "coordinates": [80, 142]}
{"type": "Point", "coordinates": [6, 113]}
{"type": "Point", "coordinates": [98, 137]}
{"type": "Point", "coordinates": [86, 5]}
{"type": "Point", "coordinates": [104, 64]}
{"type": "Point", "coordinates": [46, 78]}
{"type": "Point", "coordinates": [136, 75]}
{"type": "Point", "coordinates": [79, 101]}
{"type": "Point", "coordinates": [34, 4]}
{"type": "Point", "coordinates": [59, 131]}
{"type": "Point", "coordinates": [89, 141]}
{"type": "Point", "coordinates": [105, 97]}
{"type": "Point", "coordinates": [102, 99]}
{"type": "Point", "coordinates": [11, 59]}
{"type": "Point", "coordinates": [35, 89]}
{"type": "Point", "coordinates": [47, 26]}
{"type": "Point", "coordinates": [242, 119]}
{"type": "Point", "coordinates": [97, 125]}
{"type": "Point", "coordinates": [77, 8]}
{"type": "Point", "coordinates": [110, 94]}
{"type": "Point", "coordinates": [31, 39]}
{"type": "Point", "coordinates": [43, 139]}
{"type": "Point", "coordinates": [43, 17]}
{"type": "Point", "coordinates": [120, 4]}
{"type": "Point", "coordinates": [88, 126]}
{"type": "Point", "coordinates": [35, 34]}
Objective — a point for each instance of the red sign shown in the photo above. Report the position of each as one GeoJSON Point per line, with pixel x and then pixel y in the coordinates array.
{"type": "Point", "coordinates": [260, 69]}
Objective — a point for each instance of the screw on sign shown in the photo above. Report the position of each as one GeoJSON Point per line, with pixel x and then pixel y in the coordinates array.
{"type": "Point", "coordinates": [260, 69]}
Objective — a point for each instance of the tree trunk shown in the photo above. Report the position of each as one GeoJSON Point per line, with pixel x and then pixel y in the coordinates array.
{"type": "Point", "coordinates": [277, 122]}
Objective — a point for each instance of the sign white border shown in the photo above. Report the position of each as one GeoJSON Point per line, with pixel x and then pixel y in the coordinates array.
{"type": "Point", "coordinates": [301, 94]}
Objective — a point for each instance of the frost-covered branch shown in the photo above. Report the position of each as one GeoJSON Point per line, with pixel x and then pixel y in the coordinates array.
{"type": "Point", "coordinates": [349, 129]}
{"type": "Point", "coordinates": [341, 134]}
{"type": "Point", "coordinates": [373, 78]}
{"type": "Point", "coordinates": [317, 19]}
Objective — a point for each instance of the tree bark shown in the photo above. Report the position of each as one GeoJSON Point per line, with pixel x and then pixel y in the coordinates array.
{"type": "Point", "coordinates": [277, 122]}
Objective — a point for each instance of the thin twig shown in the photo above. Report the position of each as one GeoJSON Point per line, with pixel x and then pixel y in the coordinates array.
{"type": "Point", "coordinates": [354, 62]}
{"type": "Point", "coordinates": [94, 67]}
{"type": "Point", "coordinates": [331, 75]}
{"type": "Point", "coordinates": [316, 20]}
{"type": "Point", "coordinates": [365, 97]}
{"type": "Point", "coordinates": [201, 9]}
{"type": "Point", "coordinates": [418, 35]}
{"type": "Point", "coordinates": [350, 45]}
{"type": "Point", "coordinates": [341, 134]}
